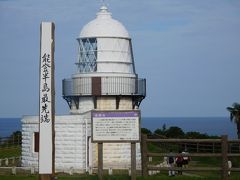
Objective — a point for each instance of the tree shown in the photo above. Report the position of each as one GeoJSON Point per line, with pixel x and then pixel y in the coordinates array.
{"type": "Point", "coordinates": [175, 132]}
{"type": "Point", "coordinates": [196, 135]}
{"type": "Point", "coordinates": [146, 131]}
{"type": "Point", "coordinates": [14, 139]}
{"type": "Point", "coordinates": [161, 132]}
{"type": "Point", "coordinates": [235, 116]}
{"type": "Point", "coordinates": [164, 127]}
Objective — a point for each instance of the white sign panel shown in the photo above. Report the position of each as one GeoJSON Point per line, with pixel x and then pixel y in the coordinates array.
{"type": "Point", "coordinates": [115, 126]}
{"type": "Point", "coordinates": [46, 111]}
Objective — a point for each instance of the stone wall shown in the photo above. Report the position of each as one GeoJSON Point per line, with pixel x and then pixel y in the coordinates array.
{"type": "Point", "coordinates": [106, 103]}
{"type": "Point", "coordinates": [125, 103]}
{"type": "Point", "coordinates": [70, 142]}
{"type": "Point", "coordinates": [29, 157]}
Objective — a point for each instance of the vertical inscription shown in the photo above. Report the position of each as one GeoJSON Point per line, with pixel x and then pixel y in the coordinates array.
{"type": "Point", "coordinates": [45, 95]}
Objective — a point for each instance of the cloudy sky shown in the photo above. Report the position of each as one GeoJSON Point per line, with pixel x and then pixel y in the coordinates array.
{"type": "Point", "coordinates": [189, 52]}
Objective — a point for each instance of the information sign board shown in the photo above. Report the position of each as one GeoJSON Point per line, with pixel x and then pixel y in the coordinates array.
{"type": "Point", "coordinates": [116, 126]}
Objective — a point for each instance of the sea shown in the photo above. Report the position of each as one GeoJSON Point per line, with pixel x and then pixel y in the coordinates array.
{"type": "Point", "coordinates": [209, 125]}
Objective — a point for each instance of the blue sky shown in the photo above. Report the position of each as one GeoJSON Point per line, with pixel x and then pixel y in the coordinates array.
{"type": "Point", "coordinates": [189, 52]}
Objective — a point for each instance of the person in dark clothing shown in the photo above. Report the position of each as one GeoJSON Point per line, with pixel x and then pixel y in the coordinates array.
{"type": "Point", "coordinates": [179, 162]}
{"type": "Point", "coordinates": [186, 158]}
{"type": "Point", "coordinates": [171, 172]}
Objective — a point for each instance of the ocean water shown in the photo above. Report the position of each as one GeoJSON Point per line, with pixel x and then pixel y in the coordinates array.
{"type": "Point", "coordinates": [208, 125]}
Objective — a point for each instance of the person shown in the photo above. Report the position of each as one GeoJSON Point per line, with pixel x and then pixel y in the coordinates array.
{"type": "Point", "coordinates": [179, 161]}
{"type": "Point", "coordinates": [171, 164]}
{"type": "Point", "coordinates": [186, 159]}
{"type": "Point", "coordinates": [229, 166]}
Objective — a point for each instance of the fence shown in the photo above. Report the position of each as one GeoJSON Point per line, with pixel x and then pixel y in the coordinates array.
{"type": "Point", "coordinates": [17, 170]}
{"type": "Point", "coordinates": [222, 148]}
{"type": "Point", "coordinates": [10, 161]}
{"type": "Point", "coordinates": [10, 151]}
{"type": "Point", "coordinates": [12, 141]}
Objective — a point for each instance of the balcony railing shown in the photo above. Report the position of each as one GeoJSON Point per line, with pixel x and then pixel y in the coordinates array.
{"type": "Point", "coordinates": [87, 86]}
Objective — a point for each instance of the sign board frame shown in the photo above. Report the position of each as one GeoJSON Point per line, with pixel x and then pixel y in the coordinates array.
{"type": "Point", "coordinates": [125, 114]}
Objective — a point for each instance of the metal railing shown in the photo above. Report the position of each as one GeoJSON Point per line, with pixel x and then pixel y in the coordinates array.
{"type": "Point", "coordinates": [109, 86]}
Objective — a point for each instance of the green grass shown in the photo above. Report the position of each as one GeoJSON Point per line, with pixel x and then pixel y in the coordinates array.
{"type": "Point", "coordinates": [10, 152]}
{"type": "Point", "coordinates": [116, 177]}
{"type": "Point", "coordinates": [10, 177]}
{"type": "Point", "coordinates": [82, 177]}
{"type": "Point", "coordinates": [122, 177]}
{"type": "Point", "coordinates": [196, 162]}
{"type": "Point", "coordinates": [162, 176]}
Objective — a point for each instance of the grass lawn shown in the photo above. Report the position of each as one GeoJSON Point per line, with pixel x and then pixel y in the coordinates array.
{"type": "Point", "coordinates": [18, 177]}
{"type": "Point", "coordinates": [195, 162]}
{"type": "Point", "coordinates": [10, 152]}
{"type": "Point", "coordinates": [124, 177]}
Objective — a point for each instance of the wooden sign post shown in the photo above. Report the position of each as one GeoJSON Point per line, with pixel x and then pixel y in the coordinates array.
{"type": "Point", "coordinates": [46, 156]}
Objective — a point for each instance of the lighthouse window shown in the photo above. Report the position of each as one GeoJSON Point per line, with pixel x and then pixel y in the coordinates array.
{"type": "Point", "coordinates": [87, 55]}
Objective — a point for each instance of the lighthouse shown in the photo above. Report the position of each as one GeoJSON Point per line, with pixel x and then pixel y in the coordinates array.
{"type": "Point", "coordinates": [106, 77]}
{"type": "Point", "coordinates": [106, 80]}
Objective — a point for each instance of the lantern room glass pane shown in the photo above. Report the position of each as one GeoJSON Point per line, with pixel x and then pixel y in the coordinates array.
{"type": "Point", "coordinates": [87, 55]}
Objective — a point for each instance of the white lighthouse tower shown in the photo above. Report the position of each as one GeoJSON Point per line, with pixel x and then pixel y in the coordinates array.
{"type": "Point", "coordinates": [106, 78]}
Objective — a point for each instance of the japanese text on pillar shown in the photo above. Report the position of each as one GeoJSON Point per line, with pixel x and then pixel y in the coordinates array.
{"type": "Point", "coordinates": [45, 94]}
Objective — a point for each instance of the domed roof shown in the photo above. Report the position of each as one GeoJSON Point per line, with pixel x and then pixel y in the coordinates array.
{"type": "Point", "coordinates": [104, 26]}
